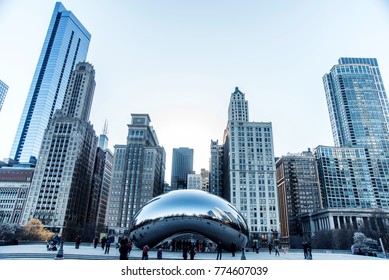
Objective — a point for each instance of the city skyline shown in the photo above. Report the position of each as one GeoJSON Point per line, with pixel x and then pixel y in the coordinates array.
{"type": "Point", "coordinates": [188, 58]}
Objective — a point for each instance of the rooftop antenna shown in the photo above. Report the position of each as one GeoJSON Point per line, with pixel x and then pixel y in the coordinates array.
{"type": "Point", "coordinates": [105, 127]}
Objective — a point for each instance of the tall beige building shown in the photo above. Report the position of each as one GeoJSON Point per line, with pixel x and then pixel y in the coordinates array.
{"type": "Point", "coordinates": [249, 173]}
{"type": "Point", "coordinates": [138, 174]}
{"type": "Point", "coordinates": [62, 182]}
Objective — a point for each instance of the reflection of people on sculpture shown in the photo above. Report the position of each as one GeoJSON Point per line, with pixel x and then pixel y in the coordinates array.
{"type": "Point", "coordinates": [233, 248]}
{"type": "Point", "coordinates": [192, 253]}
{"type": "Point", "coordinates": [185, 252]}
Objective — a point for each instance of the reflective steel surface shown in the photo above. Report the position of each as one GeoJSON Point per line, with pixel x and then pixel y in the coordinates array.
{"type": "Point", "coordinates": [189, 211]}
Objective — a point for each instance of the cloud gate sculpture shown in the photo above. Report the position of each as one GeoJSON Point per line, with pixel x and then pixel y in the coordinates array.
{"type": "Point", "coordinates": [189, 211]}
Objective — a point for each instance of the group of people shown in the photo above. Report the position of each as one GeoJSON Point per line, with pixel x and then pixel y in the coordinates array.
{"type": "Point", "coordinates": [276, 248]}
{"type": "Point", "coordinates": [105, 244]}
{"type": "Point", "coordinates": [188, 248]}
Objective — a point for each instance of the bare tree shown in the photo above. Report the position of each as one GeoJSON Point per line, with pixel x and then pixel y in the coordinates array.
{"type": "Point", "coordinates": [34, 230]}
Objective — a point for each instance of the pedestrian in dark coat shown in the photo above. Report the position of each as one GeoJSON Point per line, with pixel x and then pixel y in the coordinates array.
{"type": "Point", "coordinates": [103, 242]}
{"type": "Point", "coordinates": [123, 250]}
{"type": "Point", "coordinates": [107, 246]}
{"type": "Point", "coordinates": [145, 252]}
{"type": "Point", "coordinates": [78, 242]}
{"type": "Point", "coordinates": [257, 247]}
{"type": "Point", "coordinates": [95, 242]}
{"type": "Point", "coordinates": [159, 254]}
{"type": "Point", "coordinates": [305, 249]}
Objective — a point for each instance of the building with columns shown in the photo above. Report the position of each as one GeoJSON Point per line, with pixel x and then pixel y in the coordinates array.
{"type": "Point", "coordinates": [351, 218]}
{"type": "Point", "coordinates": [354, 175]}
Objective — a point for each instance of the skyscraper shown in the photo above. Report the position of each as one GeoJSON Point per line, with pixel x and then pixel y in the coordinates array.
{"type": "Point", "coordinates": [216, 169]}
{"type": "Point", "coordinates": [358, 108]}
{"type": "Point", "coordinates": [138, 173]}
{"type": "Point", "coordinates": [345, 179]}
{"type": "Point", "coordinates": [66, 44]}
{"type": "Point", "coordinates": [298, 191]}
{"type": "Point", "coordinates": [62, 185]}
{"type": "Point", "coordinates": [182, 165]}
{"type": "Point", "coordinates": [107, 161]}
{"type": "Point", "coordinates": [98, 202]}
{"type": "Point", "coordinates": [3, 93]}
{"type": "Point", "coordinates": [249, 173]}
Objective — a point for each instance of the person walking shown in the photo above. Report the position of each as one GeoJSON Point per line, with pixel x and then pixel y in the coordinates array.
{"type": "Point", "coordinates": [257, 247]}
{"type": "Point", "coordinates": [277, 250]}
{"type": "Point", "coordinates": [78, 242]}
{"type": "Point", "coordinates": [107, 246]}
{"type": "Point", "coordinates": [145, 252]}
{"type": "Point", "coordinates": [95, 242]}
{"type": "Point", "coordinates": [129, 245]}
{"type": "Point", "coordinates": [159, 254]}
{"type": "Point", "coordinates": [219, 250]}
{"type": "Point", "coordinates": [123, 250]}
{"type": "Point", "coordinates": [309, 251]}
{"type": "Point", "coordinates": [270, 248]}
{"type": "Point", "coordinates": [103, 242]}
{"type": "Point", "coordinates": [305, 249]}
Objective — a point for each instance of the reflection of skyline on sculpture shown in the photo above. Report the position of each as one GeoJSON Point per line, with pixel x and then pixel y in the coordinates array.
{"type": "Point", "coordinates": [190, 211]}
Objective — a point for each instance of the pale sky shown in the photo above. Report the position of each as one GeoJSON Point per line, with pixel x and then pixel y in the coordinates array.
{"type": "Point", "coordinates": [179, 61]}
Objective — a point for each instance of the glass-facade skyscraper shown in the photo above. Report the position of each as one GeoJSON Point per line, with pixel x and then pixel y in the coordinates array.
{"type": "Point", "coordinates": [358, 108]}
{"type": "Point", "coordinates": [3, 93]}
{"type": "Point", "coordinates": [182, 165]}
{"type": "Point", "coordinates": [66, 44]}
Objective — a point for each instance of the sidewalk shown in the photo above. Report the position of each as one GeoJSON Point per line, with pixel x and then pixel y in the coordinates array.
{"type": "Point", "coordinates": [86, 251]}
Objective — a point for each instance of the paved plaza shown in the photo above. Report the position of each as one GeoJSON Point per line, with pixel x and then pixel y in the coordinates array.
{"type": "Point", "coordinates": [88, 252]}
